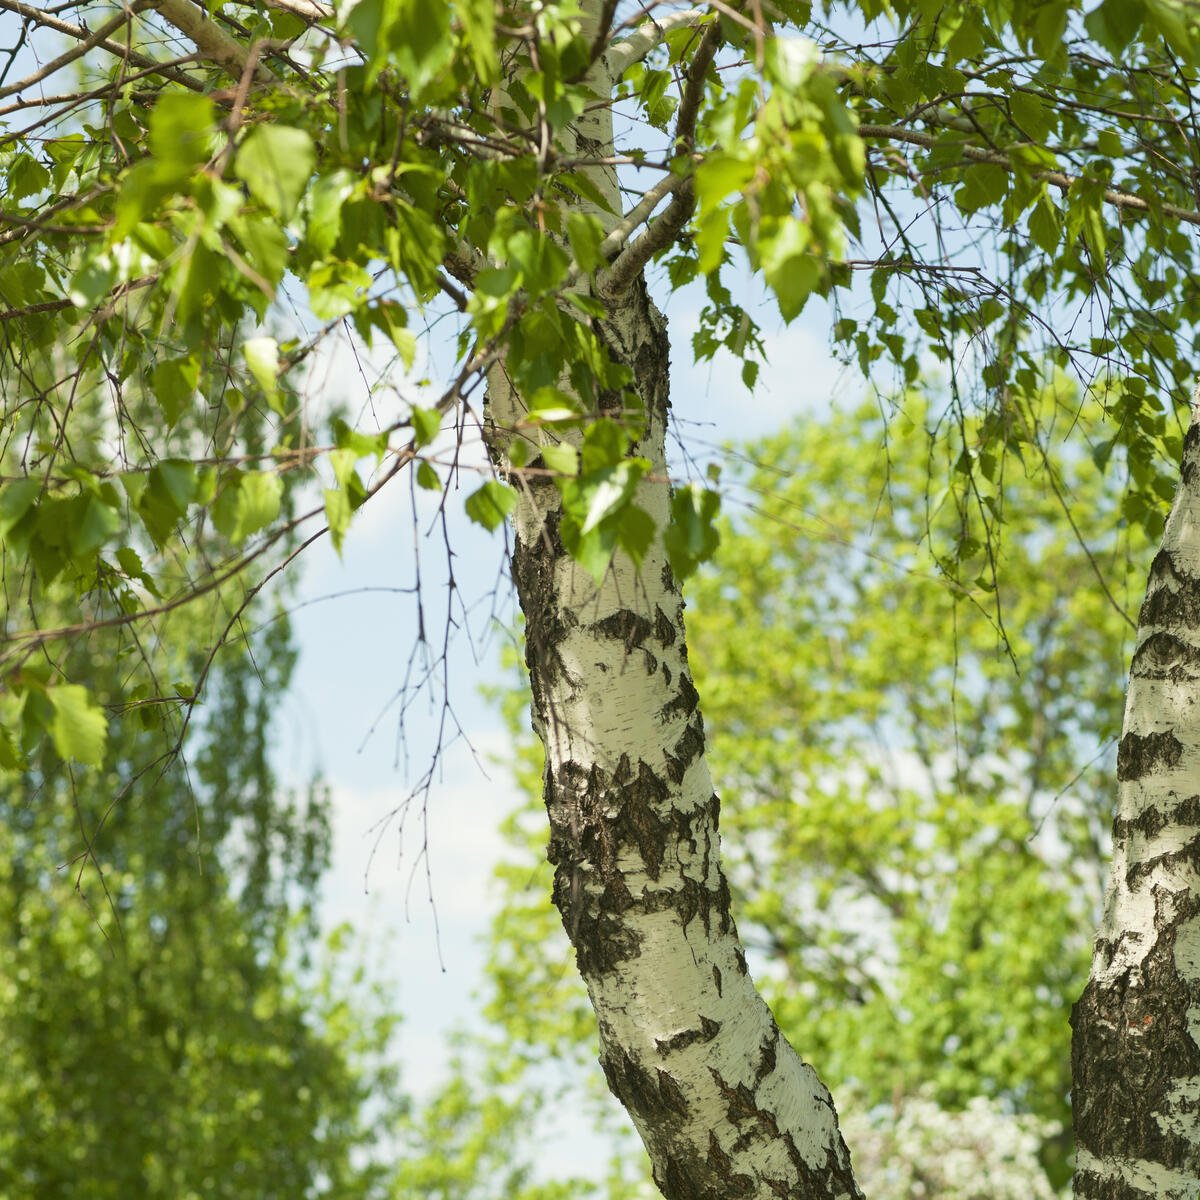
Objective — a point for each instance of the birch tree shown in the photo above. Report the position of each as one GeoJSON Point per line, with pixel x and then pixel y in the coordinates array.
{"type": "Point", "coordinates": [1013, 184]}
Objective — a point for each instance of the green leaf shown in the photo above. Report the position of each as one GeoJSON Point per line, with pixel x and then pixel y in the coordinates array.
{"type": "Point", "coordinates": [325, 200]}
{"type": "Point", "coordinates": [93, 523]}
{"type": "Point", "coordinates": [182, 125]}
{"type": "Point", "coordinates": [692, 537]}
{"type": "Point", "coordinates": [337, 288]}
{"type": "Point", "coordinates": [275, 162]}
{"type": "Point", "coordinates": [491, 504]}
{"type": "Point", "coordinates": [426, 422]}
{"type": "Point", "coordinates": [418, 39]}
{"type": "Point", "coordinates": [16, 499]}
{"type": "Point", "coordinates": [478, 18]}
{"type": "Point", "coordinates": [585, 234]}
{"type": "Point", "coordinates": [607, 491]}
{"type": "Point", "coordinates": [262, 360]}
{"type": "Point", "coordinates": [1045, 225]}
{"type": "Point", "coordinates": [719, 176]}
{"type": "Point", "coordinates": [79, 727]}
{"type": "Point", "coordinates": [337, 515]}
{"type": "Point", "coordinates": [258, 502]}
{"type": "Point", "coordinates": [175, 381]}
{"type": "Point", "coordinates": [789, 267]}
{"type": "Point", "coordinates": [427, 477]}
{"type": "Point", "coordinates": [563, 458]}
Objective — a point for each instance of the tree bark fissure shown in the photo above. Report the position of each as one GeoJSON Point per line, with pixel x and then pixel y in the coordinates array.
{"type": "Point", "coordinates": [1136, 1047]}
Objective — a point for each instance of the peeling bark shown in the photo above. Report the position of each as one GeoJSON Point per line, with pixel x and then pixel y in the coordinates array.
{"type": "Point", "coordinates": [1136, 1047]}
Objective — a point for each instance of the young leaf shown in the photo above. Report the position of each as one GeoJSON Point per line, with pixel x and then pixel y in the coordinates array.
{"type": "Point", "coordinates": [275, 162]}
{"type": "Point", "coordinates": [79, 728]}
{"type": "Point", "coordinates": [490, 504]}
{"type": "Point", "coordinates": [262, 359]}
{"type": "Point", "coordinates": [692, 536]}
{"type": "Point", "coordinates": [425, 425]}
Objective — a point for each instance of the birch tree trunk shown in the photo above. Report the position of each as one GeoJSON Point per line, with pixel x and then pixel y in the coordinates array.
{"type": "Point", "coordinates": [724, 1105]}
{"type": "Point", "coordinates": [1136, 1048]}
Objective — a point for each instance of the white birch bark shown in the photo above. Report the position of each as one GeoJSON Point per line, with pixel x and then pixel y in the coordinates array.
{"type": "Point", "coordinates": [724, 1105]}
{"type": "Point", "coordinates": [1136, 1049]}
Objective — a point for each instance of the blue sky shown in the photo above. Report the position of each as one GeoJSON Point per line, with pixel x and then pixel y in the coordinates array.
{"type": "Point", "coordinates": [341, 720]}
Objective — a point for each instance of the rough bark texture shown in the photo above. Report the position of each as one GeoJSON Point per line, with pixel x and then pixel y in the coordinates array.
{"type": "Point", "coordinates": [724, 1105]}
{"type": "Point", "coordinates": [1136, 1049]}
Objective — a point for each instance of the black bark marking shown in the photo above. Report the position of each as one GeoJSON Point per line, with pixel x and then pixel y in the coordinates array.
{"type": "Point", "coordinates": [767, 1055]}
{"type": "Point", "coordinates": [717, 979]}
{"type": "Point", "coordinates": [683, 1178]}
{"type": "Point", "coordinates": [671, 1093]}
{"type": "Point", "coordinates": [1090, 1185]}
{"type": "Point", "coordinates": [1131, 1044]}
{"type": "Point", "coordinates": [647, 829]}
{"type": "Point", "coordinates": [685, 751]}
{"type": "Point", "coordinates": [643, 1091]}
{"type": "Point", "coordinates": [685, 702]}
{"type": "Point", "coordinates": [831, 1178]}
{"type": "Point", "coordinates": [1139, 755]}
{"type": "Point", "coordinates": [594, 819]}
{"type": "Point", "coordinates": [664, 628]}
{"type": "Point", "coordinates": [1164, 656]}
{"type": "Point", "coordinates": [625, 626]}
{"type": "Point", "coordinates": [1191, 442]}
{"type": "Point", "coordinates": [1188, 855]}
{"type": "Point", "coordinates": [739, 1099]}
{"type": "Point", "coordinates": [717, 1158]}
{"type": "Point", "coordinates": [1148, 822]}
{"type": "Point", "coordinates": [1172, 595]}
{"type": "Point", "coordinates": [688, 1037]}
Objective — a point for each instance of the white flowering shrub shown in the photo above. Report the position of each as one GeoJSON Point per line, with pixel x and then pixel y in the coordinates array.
{"type": "Point", "coordinates": [914, 1150]}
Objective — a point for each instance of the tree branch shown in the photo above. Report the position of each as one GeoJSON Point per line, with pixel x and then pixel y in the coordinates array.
{"type": "Point", "coordinates": [306, 10]}
{"type": "Point", "coordinates": [665, 228]}
{"type": "Point", "coordinates": [48, 21]}
{"type": "Point", "coordinates": [209, 38]}
{"type": "Point", "coordinates": [1058, 179]}
{"type": "Point", "coordinates": [621, 55]}
{"type": "Point", "coordinates": [69, 56]}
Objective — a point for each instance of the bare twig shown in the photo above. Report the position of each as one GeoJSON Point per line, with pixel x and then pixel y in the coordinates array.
{"type": "Point", "coordinates": [99, 38]}
{"type": "Point", "coordinates": [47, 20]}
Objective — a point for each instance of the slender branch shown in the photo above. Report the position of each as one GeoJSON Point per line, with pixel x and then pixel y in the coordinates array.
{"type": "Point", "coordinates": [307, 10]}
{"type": "Point", "coordinates": [623, 54]}
{"type": "Point", "coordinates": [209, 38]}
{"type": "Point", "coordinates": [659, 234]}
{"type": "Point", "coordinates": [665, 228]}
{"type": "Point", "coordinates": [624, 229]}
{"type": "Point", "coordinates": [22, 229]}
{"type": "Point", "coordinates": [1058, 179]}
{"type": "Point", "coordinates": [69, 56]}
{"type": "Point", "coordinates": [48, 21]}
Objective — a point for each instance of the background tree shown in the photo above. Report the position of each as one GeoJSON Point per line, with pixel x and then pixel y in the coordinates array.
{"type": "Point", "coordinates": [164, 1030]}
{"type": "Point", "coordinates": [421, 151]}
